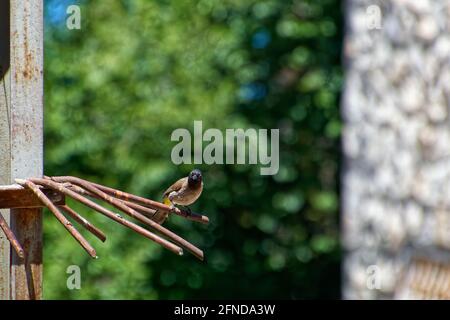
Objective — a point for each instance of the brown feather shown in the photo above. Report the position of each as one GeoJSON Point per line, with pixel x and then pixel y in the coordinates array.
{"type": "Point", "coordinates": [176, 186]}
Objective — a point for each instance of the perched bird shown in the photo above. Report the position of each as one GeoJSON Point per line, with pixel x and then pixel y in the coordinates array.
{"type": "Point", "coordinates": [183, 192]}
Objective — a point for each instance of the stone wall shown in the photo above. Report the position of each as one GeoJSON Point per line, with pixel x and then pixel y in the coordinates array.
{"type": "Point", "coordinates": [396, 143]}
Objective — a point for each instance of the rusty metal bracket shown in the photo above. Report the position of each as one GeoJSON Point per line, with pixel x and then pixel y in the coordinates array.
{"type": "Point", "coordinates": [15, 196]}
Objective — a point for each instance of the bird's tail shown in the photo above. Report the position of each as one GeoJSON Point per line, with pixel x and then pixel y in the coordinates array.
{"type": "Point", "coordinates": [161, 216]}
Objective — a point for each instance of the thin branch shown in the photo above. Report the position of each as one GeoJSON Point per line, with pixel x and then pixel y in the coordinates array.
{"type": "Point", "coordinates": [145, 202]}
{"type": "Point", "coordinates": [116, 217]}
{"type": "Point", "coordinates": [11, 237]}
{"type": "Point", "coordinates": [123, 207]}
{"type": "Point", "coordinates": [84, 222]}
{"type": "Point", "coordinates": [61, 218]}
{"type": "Point", "coordinates": [146, 211]}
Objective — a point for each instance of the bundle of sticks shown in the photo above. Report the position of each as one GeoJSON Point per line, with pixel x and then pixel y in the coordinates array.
{"type": "Point", "coordinates": [83, 191]}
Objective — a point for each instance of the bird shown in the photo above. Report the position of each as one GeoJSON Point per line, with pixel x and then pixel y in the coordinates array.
{"type": "Point", "coordinates": [183, 192]}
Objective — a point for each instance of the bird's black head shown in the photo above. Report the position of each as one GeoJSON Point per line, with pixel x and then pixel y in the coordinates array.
{"type": "Point", "coordinates": [195, 177]}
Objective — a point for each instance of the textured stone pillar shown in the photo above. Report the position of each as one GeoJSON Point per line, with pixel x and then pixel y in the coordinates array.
{"type": "Point", "coordinates": [396, 144]}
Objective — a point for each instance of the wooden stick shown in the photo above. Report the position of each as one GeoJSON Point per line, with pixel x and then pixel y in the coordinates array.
{"type": "Point", "coordinates": [61, 218]}
{"type": "Point", "coordinates": [123, 207]}
{"type": "Point", "coordinates": [116, 217]}
{"type": "Point", "coordinates": [146, 211]}
{"type": "Point", "coordinates": [146, 202]}
{"type": "Point", "coordinates": [153, 204]}
{"type": "Point", "coordinates": [85, 223]}
{"type": "Point", "coordinates": [11, 237]}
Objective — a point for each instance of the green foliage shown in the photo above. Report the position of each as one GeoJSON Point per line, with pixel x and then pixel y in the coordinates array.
{"type": "Point", "coordinates": [137, 70]}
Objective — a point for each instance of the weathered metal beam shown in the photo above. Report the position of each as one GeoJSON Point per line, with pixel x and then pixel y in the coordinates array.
{"type": "Point", "coordinates": [13, 198]}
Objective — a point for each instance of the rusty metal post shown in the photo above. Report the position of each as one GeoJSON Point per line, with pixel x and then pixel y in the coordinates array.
{"type": "Point", "coordinates": [21, 139]}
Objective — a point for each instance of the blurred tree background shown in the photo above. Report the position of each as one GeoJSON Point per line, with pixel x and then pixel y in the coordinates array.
{"type": "Point", "coordinates": [138, 69]}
